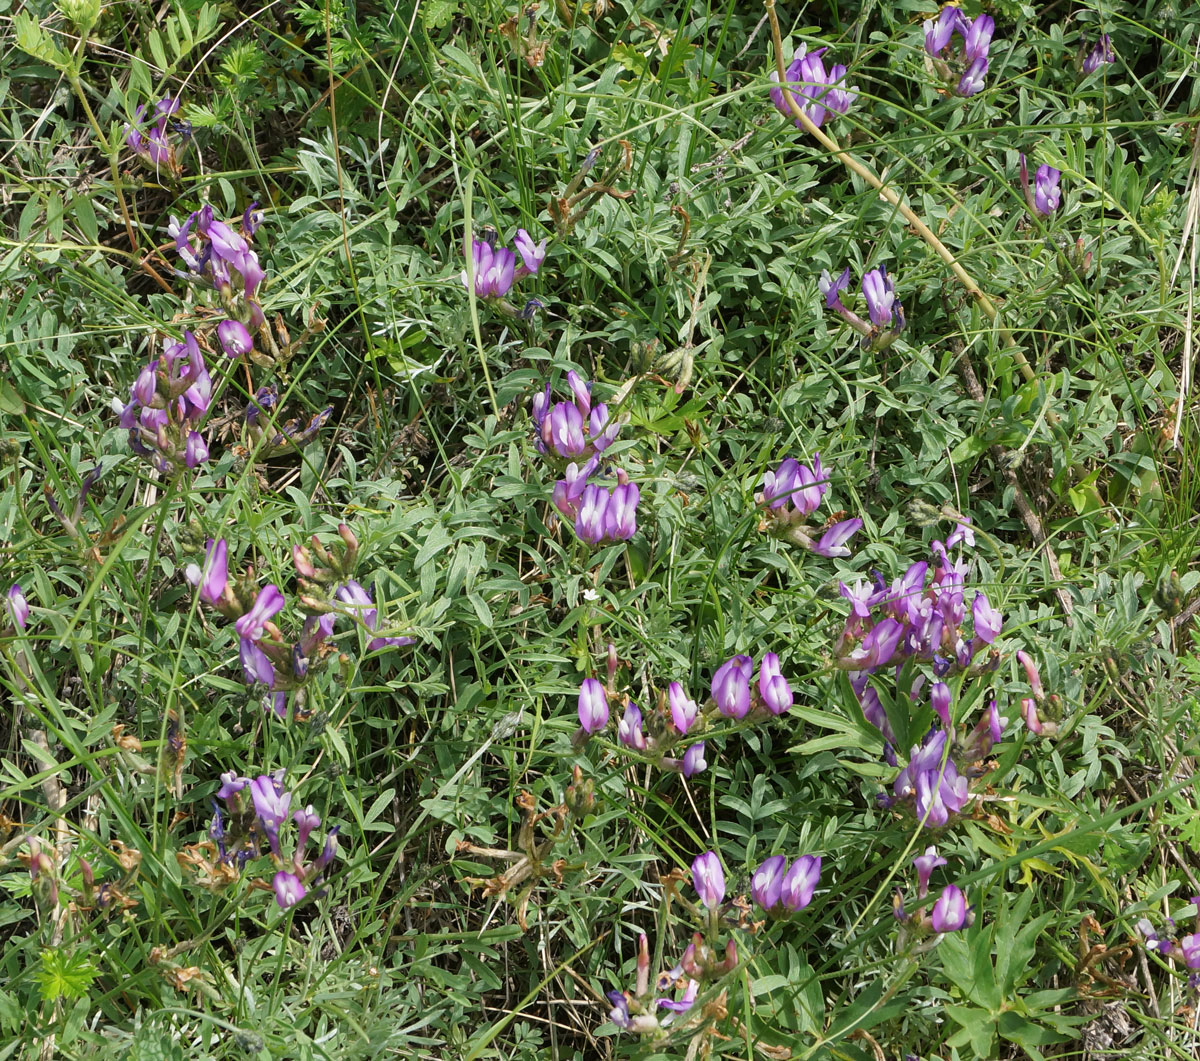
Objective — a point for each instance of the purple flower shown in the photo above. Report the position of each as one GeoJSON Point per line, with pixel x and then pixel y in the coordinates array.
{"type": "Point", "coordinates": [1189, 950]}
{"type": "Point", "coordinates": [145, 387]}
{"type": "Point", "coordinates": [940, 794]}
{"type": "Point", "coordinates": [800, 882]}
{"type": "Point", "coordinates": [358, 603]}
{"type": "Point", "coordinates": [693, 760]}
{"type": "Point", "coordinates": [833, 541]}
{"type": "Point", "coordinates": [831, 288]}
{"type": "Point", "coordinates": [494, 270]}
{"type": "Point", "coordinates": [766, 886]}
{"type": "Point", "coordinates": [880, 293]}
{"type": "Point", "coordinates": [709, 879]}
{"type": "Point", "coordinates": [268, 603]}
{"type": "Point", "coordinates": [213, 576]}
{"type": "Point", "coordinates": [683, 709]}
{"type": "Point", "coordinates": [977, 37]}
{"type": "Point", "coordinates": [996, 724]}
{"type": "Point", "coordinates": [195, 450]}
{"type": "Point", "coordinates": [231, 785]}
{"type": "Point", "coordinates": [731, 686]}
{"type": "Point", "coordinates": [1101, 53]}
{"type": "Point", "coordinates": [773, 686]}
{"type": "Point", "coordinates": [940, 31]}
{"type": "Point", "coordinates": [328, 852]}
{"type": "Point", "coordinates": [620, 515]}
{"type": "Point", "coordinates": [878, 646]}
{"type": "Point", "coordinates": [566, 430]}
{"type": "Point", "coordinates": [972, 80]}
{"type": "Point", "coordinates": [306, 821]}
{"type": "Point", "coordinates": [271, 806]}
{"type": "Point", "coordinates": [593, 706]}
{"type": "Point", "coordinates": [18, 607]}
{"type": "Point", "coordinates": [591, 525]}
{"type": "Point", "coordinates": [988, 620]}
{"type": "Point", "coordinates": [532, 254]}
{"type": "Point", "coordinates": [235, 339]}
{"type": "Point", "coordinates": [962, 533]}
{"type": "Point", "coordinates": [950, 911]}
{"type": "Point", "coordinates": [685, 1003]}
{"type": "Point", "coordinates": [289, 889]}
{"type": "Point", "coordinates": [780, 485]}
{"type": "Point", "coordinates": [926, 864]}
{"type": "Point", "coordinates": [862, 597]}
{"type": "Point", "coordinates": [256, 665]}
{"type": "Point", "coordinates": [629, 729]}
{"type": "Point", "coordinates": [939, 699]}
{"type": "Point", "coordinates": [1046, 192]}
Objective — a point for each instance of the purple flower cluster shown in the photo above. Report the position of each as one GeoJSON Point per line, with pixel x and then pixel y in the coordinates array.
{"type": "Point", "coordinates": [732, 693]}
{"type": "Point", "coordinates": [1101, 53]}
{"type": "Point", "coordinates": [967, 67]}
{"type": "Point", "coordinates": [579, 432]}
{"type": "Point", "coordinates": [816, 90]}
{"type": "Point", "coordinates": [223, 255]}
{"type": "Point", "coordinates": [168, 400]}
{"type": "Point", "coordinates": [266, 657]}
{"type": "Point", "coordinates": [775, 884]}
{"type": "Point", "coordinates": [932, 781]}
{"type": "Point", "coordinates": [1045, 195]}
{"type": "Point", "coordinates": [885, 313]}
{"type": "Point", "coordinates": [162, 144]}
{"type": "Point", "coordinates": [240, 830]}
{"type": "Point", "coordinates": [791, 494]}
{"type": "Point", "coordinates": [575, 431]}
{"type": "Point", "coordinates": [495, 268]}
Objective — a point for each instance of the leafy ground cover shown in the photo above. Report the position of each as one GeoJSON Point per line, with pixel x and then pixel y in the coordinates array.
{"type": "Point", "coordinates": [528, 539]}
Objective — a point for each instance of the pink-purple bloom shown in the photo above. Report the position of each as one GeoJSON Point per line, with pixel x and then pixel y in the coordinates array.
{"type": "Point", "coordinates": [629, 729]}
{"type": "Point", "coordinates": [693, 760]}
{"type": "Point", "coordinates": [800, 881]}
{"type": "Point", "coordinates": [971, 58]}
{"type": "Point", "coordinates": [950, 912]}
{"type": "Point", "coordinates": [235, 338]}
{"type": "Point", "coordinates": [212, 577]}
{"type": "Point", "coordinates": [773, 687]}
{"type": "Point", "coordinates": [925, 865]}
{"type": "Point", "coordinates": [1045, 195]}
{"type": "Point", "coordinates": [815, 90]}
{"type": "Point", "coordinates": [257, 667]}
{"type": "Point", "coordinates": [988, 620]}
{"type": "Point", "coordinates": [271, 806]}
{"type": "Point", "coordinates": [731, 686]}
{"type": "Point", "coordinates": [1101, 53]}
{"type": "Point", "coordinates": [18, 607]}
{"type": "Point", "coordinates": [289, 889]}
{"type": "Point", "coordinates": [766, 886]}
{"type": "Point", "coordinates": [709, 879]}
{"type": "Point", "coordinates": [592, 706]}
{"type": "Point", "coordinates": [267, 604]}
{"type": "Point", "coordinates": [683, 708]}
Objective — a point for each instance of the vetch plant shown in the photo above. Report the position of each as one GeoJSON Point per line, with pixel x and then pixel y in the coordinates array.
{"type": "Point", "coordinates": [816, 90]}
{"type": "Point", "coordinates": [885, 313]}
{"type": "Point", "coordinates": [791, 494]}
{"type": "Point", "coordinates": [966, 67]}
{"type": "Point", "coordinates": [1043, 198]}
